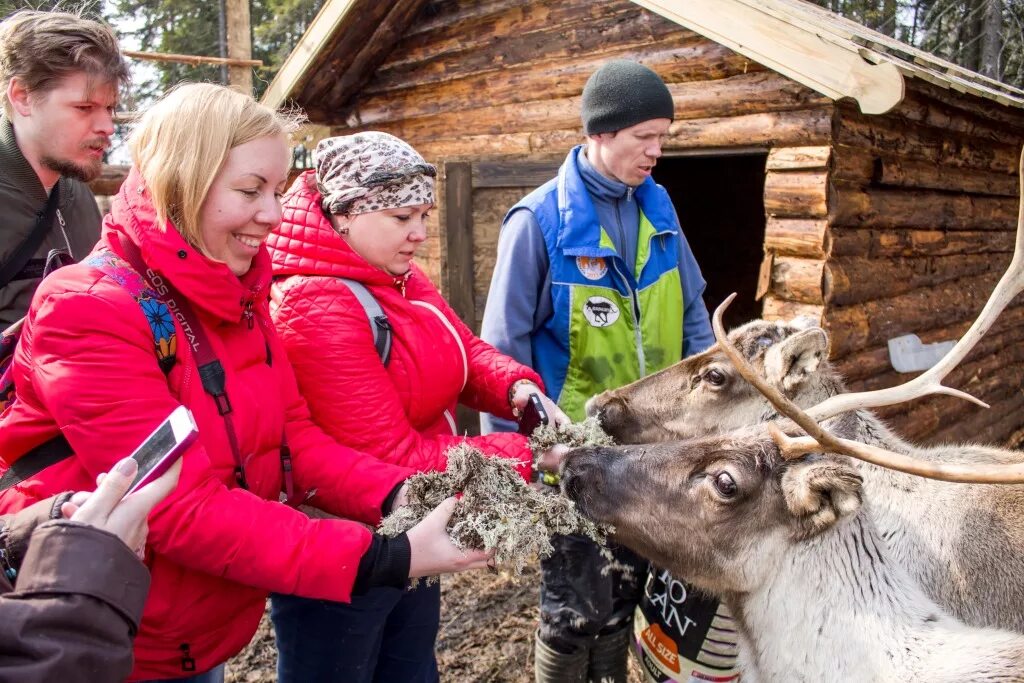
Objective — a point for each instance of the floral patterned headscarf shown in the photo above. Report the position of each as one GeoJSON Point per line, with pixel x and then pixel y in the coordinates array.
{"type": "Point", "coordinates": [371, 171]}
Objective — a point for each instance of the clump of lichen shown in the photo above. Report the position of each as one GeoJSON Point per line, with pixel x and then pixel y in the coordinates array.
{"type": "Point", "coordinates": [574, 435]}
{"type": "Point", "coordinates": [497, 511]}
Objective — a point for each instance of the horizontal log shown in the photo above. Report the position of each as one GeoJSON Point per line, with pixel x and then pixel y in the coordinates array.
{"type": "Point", "coordinates": [447, 12]}
{"type": "Point", "coordinates": [474, 33]}
{"type": "Point", "coordinates": [678, 59]}
{"type": "Point", "coordinates": [927, 175]}
{"type": "Point", "coordinates": [943, 419]}
{"type": "Point", "coordinates": [991, 388]}
{"type": "Point", "coordinates": [864, 278]}
{"type": "Point", "coordinates": [968, 104]}
{"type": "Point", "coordinates": [886, 136]}
{"type": "Point", "coordinates": [737, 95]}
{"type": "Point", "coordinates": [922, 111]}
{"type": "Point", "coordinates": [795, 194]}
{"type": "Point", "coordinates": [854, 165]}
{"type": "Point", "coordinates": [805, 237]}
{"type": "Point", "coordinates": [799, 158]}
{"type": "Point", "coordinates": [194, 60]}
{"type": "Point", "coordinates": [868, 363]}
{"type": "Point", "coordinates": [882, 243]}
{"type": "Point", "coordinates": [798, 279]}
{"type": "Point", "coordinates": [871, 323]}
{"type": "Point", "coordinates": [775, 308]}
{"type": "Point", "coordinates": [810, 126]}
{"type": "Point", "coordinates": [491, 51]}
{"type": "Point", "coordinates": [919, 210]}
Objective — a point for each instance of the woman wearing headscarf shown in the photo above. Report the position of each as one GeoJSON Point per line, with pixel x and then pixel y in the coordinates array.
{"type": "Point", "coordinates": [188, 226]}
{"type": "Point", "coordinates": [361, 214]}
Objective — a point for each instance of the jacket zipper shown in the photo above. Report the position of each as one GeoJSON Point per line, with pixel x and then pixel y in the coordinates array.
{"type": "Point", "coordinates": [637, 336]}
{"type": "Point", "coordinates": [247, 312]}
{"type": "Point", "coordinates": [187, 662]}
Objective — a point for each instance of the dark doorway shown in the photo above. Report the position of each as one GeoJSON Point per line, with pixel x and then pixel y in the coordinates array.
{"type": "Point", "coordinates": [720, 201]}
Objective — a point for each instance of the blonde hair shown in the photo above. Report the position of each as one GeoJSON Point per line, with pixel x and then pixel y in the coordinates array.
{"type": "Point", "coordinates": [181, 142]}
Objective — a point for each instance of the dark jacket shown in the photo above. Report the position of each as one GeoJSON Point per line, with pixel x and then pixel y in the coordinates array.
{"type": "Point", "coordinates": [21, 196]}
{"type": "Point", "coordinates": [76, 603]}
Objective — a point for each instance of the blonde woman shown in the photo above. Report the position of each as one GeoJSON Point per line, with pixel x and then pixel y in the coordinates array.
{"type": "Point", "coordinates": [187, 227]}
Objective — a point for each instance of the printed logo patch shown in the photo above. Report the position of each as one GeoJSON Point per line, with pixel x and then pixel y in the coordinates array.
{"type": "Point", "coordinates": [592, 268]}
{"type": "Point", "coordinates": [600, 312]}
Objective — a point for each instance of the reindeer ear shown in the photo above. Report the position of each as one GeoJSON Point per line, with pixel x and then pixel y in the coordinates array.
{"type": "Point", "coordinates": [818, 492]}
{"type": "Point", "coordinates": [790, 362]}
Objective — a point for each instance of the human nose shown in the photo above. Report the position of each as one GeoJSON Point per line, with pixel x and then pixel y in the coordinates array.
{"type": "Point", "coordinates": [270, 212]}
{"type": "Point", "coordinates": [104, 123]}
{"type": "Point", "coordinates": [419, 231]}
{"type": "Point", "coordinates": [654, 150]}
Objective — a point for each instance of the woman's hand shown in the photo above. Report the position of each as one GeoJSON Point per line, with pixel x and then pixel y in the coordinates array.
{"type": "Point", "coordinates": [551, 459]}
{"type": "Point", "coordinates": [432, 551]}
{"type": "Point", "coordinates": [522, 396]}
{"type": "Point", "coordinates": [109, 509]}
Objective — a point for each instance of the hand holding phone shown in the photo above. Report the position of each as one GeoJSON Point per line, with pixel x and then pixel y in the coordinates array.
{"type": "Point", "coordinates": [163, 447]}
{"type": "Point", "coordinates": [533, 415]}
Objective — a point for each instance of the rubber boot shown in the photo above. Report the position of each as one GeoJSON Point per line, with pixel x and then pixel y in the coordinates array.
{"type": "Point", "coordinates": [609, 657]}
{"type": "Point", "coordinates": [551, 666]}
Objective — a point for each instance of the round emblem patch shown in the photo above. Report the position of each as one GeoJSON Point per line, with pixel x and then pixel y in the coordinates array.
{"type": "Point", "coordinates": [600, 312]}
{"type": "Point", "coordinates": [592, 268]}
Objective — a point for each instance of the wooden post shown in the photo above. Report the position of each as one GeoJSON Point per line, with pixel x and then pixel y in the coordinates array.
{"type": "Point", "coordinates": [457, 270]}
{"type": "Point", "coordinates": [239, 34]}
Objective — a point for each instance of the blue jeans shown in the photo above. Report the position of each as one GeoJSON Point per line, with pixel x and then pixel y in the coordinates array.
{"type": "Point", "coordinates": [214, 675]}
{"type": "Point", "coordinates": [384, 636]}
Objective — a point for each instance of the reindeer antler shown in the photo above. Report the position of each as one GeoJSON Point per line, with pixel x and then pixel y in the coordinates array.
{"type": "Point", "coordinates": [1009, 286]}
{"type": "Point", "coordinates": [930, 382]}
{"type": "Point", "coordinates": [821, 439]}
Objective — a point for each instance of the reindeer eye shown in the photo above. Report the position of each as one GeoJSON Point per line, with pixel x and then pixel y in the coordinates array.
{"type": "Point", "coordinates": [715, 378]}
{"type": "Point", "coordinates": [725, 484]}
{"type": "Point", "coordinates": [764, 342]}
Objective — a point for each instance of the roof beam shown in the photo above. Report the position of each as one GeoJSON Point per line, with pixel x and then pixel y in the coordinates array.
{"type": "Point", "coordinates": [813, 60]}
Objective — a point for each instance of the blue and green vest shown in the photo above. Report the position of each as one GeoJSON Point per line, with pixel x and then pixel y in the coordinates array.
{"type": "Point", "coordinates": [614, 322]}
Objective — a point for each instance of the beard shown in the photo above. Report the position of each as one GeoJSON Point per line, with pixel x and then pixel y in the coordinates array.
{"type": "Point", "coordinates": [83, 172]}
{"type": "Point", "coordinates": [70, 169]}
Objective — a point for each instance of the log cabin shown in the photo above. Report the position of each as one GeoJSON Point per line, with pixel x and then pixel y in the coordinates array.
{"type": "Point", "coordinates": [818, 167]}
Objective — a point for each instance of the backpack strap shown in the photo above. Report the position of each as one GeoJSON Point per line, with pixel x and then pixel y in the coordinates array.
{"type": "Point", "coordinates": [30, 245]}
{"type": "Point", "coordinates": [161, 325]}
{"type": "Point", "coordinates": [379, 324]}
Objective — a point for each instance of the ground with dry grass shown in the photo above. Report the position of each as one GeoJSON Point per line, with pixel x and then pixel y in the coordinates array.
{"type": "Point", "coordinates": [486, 636]}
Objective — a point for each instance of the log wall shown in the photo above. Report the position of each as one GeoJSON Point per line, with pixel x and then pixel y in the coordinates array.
{"type": "Point", "coordinates": [501, 79]}
{"type": "Point", "coordinates": [922, 210]}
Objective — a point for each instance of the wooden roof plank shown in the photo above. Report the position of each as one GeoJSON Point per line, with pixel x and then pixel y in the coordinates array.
{"type": "Point", "coordinates": [806, 43]}
{"type": "Point", "coordinates": [801, 55]}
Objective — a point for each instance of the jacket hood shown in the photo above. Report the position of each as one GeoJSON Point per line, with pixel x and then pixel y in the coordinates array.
{"type": "Point", "coordinates": [208, 285]}
{"type": "Point", "coordinates": [306, 244]}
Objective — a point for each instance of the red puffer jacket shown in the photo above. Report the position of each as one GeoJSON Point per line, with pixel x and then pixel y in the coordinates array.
{"type": "Point", "coordinates": [86, 365]}
{"type": "Point", "coordinates": [402, 413]}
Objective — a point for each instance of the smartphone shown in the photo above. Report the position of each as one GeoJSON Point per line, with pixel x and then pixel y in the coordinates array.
{"type": "Point", "coordinates": [168, 441]}
{"type": "Point", "coordinates": [533, 415]}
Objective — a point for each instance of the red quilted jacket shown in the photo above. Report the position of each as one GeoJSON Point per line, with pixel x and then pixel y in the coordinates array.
{"type": "Point", "coordinates": [402, 413]}
{"type": "Point", "coordinates": [85, 365]}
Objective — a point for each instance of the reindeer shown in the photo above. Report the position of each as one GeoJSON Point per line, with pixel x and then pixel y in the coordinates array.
{"type": "Point", "coordinates": [962, 542]}
{"type": "Point", "coordinates": [791, 550]}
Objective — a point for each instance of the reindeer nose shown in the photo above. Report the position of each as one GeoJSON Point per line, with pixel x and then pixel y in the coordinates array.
{"type": "Point", "coordinates": [582, 472]}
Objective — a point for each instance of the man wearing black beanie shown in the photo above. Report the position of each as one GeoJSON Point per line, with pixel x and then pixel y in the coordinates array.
{"type": "Point", "coordinates": [594, 287]}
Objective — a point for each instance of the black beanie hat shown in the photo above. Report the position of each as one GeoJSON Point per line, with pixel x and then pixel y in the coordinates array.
{"type": "Point", "coordinates": [622, 94]}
